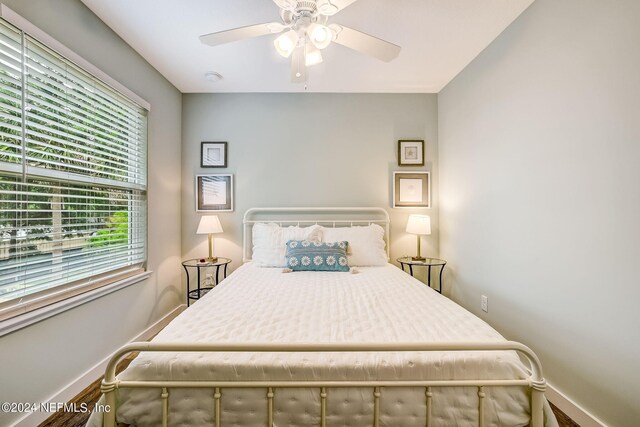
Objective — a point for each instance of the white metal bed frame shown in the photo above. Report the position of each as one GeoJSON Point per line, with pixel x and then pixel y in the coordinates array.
{"type": "Point", "coordinates": [535, 381]}
{"type": "Point", "coordinates": [371, 215]}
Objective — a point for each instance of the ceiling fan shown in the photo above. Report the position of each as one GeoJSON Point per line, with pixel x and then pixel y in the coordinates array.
{"type": "Point", "coordinates": [307, 33]}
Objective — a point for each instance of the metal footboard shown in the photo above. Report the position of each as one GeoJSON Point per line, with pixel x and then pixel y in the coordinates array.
{"type": "Point", "coordinates": [535, 381]}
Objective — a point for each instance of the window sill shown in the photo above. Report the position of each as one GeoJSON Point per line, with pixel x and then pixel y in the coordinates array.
{"type": "Point", "coordinates": [23, 320]}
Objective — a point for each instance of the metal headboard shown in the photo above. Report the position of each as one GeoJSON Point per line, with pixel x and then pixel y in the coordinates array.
{"type": "Point", "coordinates": [325, 216]}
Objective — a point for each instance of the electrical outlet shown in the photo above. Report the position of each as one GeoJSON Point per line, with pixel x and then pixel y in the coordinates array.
{"type": "Point", "coordinates": [484, 303]}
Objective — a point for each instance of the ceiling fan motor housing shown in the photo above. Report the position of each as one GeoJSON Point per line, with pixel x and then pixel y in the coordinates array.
{"type": "Point", "coordinates": [307, 6]}
{"type": "Point", "coordinates": [303, 8]}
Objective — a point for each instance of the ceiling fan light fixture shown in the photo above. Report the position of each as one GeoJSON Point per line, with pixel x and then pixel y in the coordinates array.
{"type": "Point", "coordinates": [312, 55]}
{"type": "Point", "coordinates": [320, 35]}
{"type": "Point", "coordinates": [305, 31]}
{"type": "Point", "coordinates": [286, 43]}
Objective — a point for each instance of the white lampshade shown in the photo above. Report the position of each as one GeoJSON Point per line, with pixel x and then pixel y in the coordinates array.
{"type": "Point", "coordinates": [286, 43]}
{"type": "Point", "coordinates": [209, 224]}
{"type": "Point", "coordinates": [312, 55]}
{"type": "Point", "coordinates": [319, 35]}
{"type": "Point", "coordinates": [419, 224]}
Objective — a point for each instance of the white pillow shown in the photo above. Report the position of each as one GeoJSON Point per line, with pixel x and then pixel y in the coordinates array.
{"type": "Point", "coordinates": [366, 244]}
{"type": "Point", "coordinates": [269, 242]}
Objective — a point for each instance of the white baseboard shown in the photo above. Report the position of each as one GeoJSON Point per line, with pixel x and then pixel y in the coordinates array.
{"type": "Point", "coordinates": [75, 387]}
{"type": "Point", "coordinates": [571, 408]}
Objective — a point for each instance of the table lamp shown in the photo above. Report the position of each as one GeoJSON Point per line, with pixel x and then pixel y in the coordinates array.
{"type": "Point", "coordinates": [209, 225]}
{"type": "Point", "coordinates": [421, 226]}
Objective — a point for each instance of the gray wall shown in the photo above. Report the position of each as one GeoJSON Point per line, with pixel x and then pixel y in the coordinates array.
{"type": "Point", "coordinates": [306, 150]}
{"type": "Point", "coordinates": [539, 155]}
{"type": "Point", "coordinates": [39, 360]}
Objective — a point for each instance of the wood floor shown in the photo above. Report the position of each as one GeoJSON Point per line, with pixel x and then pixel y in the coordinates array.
{"type": "Point", "coordinates": [91, 394]}
{"type": "Point", "coordinates": [563, 419]}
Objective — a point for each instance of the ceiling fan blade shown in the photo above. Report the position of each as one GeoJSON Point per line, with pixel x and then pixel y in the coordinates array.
{"type": "Point", "coordinates": [298, 66]}
{"type": "Point", "coordinates": [286, 4]}
{"type": "Point", "coordinates": [365, 43]}
{"type": "Point", "coordinates": [331, 7]}
{"type": "Point", "coordinates": [228, 36]}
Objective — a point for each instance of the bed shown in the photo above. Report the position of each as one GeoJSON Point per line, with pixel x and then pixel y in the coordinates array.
{"type": "Point", "coordinates": [376, 347]}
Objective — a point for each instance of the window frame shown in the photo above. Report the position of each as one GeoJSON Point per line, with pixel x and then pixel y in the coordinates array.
{"type": "Point", "coordinates": [20, 312]}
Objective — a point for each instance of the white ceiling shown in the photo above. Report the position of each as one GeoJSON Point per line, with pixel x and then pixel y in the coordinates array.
{"type": "Point", "coordinates": [438, 38]}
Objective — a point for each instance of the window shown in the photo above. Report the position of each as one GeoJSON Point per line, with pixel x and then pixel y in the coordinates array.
{"type": "Point", "coordinates": [72, 176]}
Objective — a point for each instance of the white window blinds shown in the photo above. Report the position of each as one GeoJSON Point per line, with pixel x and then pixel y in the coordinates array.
{"type": "Point", "coordinates": [72, 173]}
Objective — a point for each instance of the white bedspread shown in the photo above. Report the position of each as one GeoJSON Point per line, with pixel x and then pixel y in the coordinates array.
{"type": "Point", "coordinates": [379, 304]}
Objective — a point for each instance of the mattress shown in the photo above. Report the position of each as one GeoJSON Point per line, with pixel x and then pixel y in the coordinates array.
{"type": "Point", "coordinates": [378, 304]}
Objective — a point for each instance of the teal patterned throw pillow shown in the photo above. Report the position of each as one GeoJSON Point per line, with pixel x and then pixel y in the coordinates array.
{"type": "Point", "coordinates": [303, 255]}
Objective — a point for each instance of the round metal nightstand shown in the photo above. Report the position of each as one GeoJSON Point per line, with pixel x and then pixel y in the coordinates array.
{"type": "Point", "coordinates": [200, 291]}
{"type": "Point", "coordinates": [427, 262]}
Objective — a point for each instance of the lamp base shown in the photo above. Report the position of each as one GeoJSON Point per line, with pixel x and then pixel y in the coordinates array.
{"type": "Point", "coordinates": [418, 258]}
{"type": "Point", "coordinates": [212, 259]}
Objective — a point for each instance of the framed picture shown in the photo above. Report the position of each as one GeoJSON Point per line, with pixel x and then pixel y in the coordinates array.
{"type": "Point", "coordinates": [214, 193]}
{"type": "Point", "coordinates": [410, 153]}
{"type": "Point", "coordinates": [213, 155]}
{"type": "Point", "coordinates": [411, 190]}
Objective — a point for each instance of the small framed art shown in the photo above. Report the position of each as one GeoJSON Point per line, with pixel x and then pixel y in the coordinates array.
{"type": "Point", "coordinates": [214, 193]}
{"type": "Point", "coordinates": [213, 155]}
{"type": "Point", "coordinates": [411, 153]}
{"type": "Point", "coordinates": [411, 190]}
